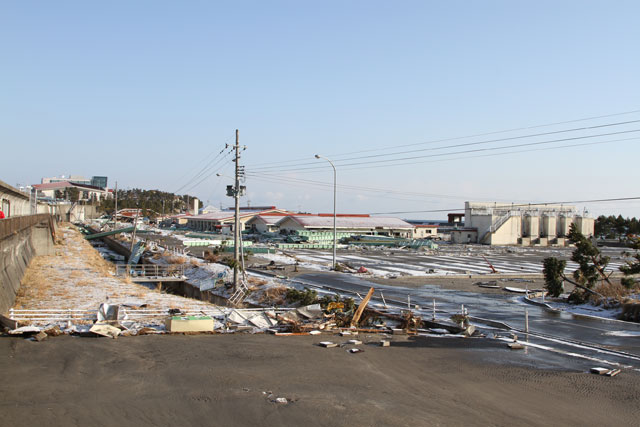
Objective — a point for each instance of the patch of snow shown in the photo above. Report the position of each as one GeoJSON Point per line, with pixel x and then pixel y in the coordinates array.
{"type": "Point", "coordinates": [623, 333]}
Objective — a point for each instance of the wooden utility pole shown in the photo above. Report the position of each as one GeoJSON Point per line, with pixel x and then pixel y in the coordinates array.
{"type": "Point", "coordinates": [115, 214]}
{"type": "Point", "coordinates": [236, 226]}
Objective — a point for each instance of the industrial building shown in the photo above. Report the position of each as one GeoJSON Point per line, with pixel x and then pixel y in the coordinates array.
{"type": "Point", "coordinates": [346, 224]}
{"type": "Point", "coordinates": [520, 224]}
{"type": "Point", "coordinates": [425, 231]}
{"type": "Point", "coordinates": [223, 221]}
{"type": "Point", "coordinates": [265, 223]}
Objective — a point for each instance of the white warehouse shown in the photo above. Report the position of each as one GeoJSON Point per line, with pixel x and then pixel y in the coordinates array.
{"type": "Point", "coordinates": [520, 224]}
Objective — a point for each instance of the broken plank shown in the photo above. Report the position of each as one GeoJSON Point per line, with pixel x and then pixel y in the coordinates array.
{"type": "Point", "coordinates": [361, 307]}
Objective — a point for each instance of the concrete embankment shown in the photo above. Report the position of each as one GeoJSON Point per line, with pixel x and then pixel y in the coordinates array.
{"type": "Point", "coordinates": [21, 239]}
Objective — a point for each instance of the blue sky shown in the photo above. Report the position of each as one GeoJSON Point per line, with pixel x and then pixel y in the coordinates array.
{"type": "Point", "coordinates": [143, 91]}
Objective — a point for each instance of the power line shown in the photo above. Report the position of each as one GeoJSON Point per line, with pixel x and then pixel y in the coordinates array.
{"type": "Point", "coordinates": [213, 170]}
{"type": "Point", "coordinates": [201, 171]}
{"type": "Point", "coordinates": [292, 179]}
{"type": "Point", "coordinates": [203, 160]}
{"type": "Point", "coordinates": [463, 137]}
{"type": "Point", "coordinates": [459, 152]}
{"type": "Point", "coordinates": [315, 184]}
{"type": "Point", "coordinates": [619, 199]}
{"type": "Point", "coordinates": [467, 144]}
{"type": "Point", "coordinates": [489, 155]}
{"type": "Point", "coordinates": [277, 178]}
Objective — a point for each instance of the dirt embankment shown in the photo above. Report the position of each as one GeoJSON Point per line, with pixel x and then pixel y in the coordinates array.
{"type": "Point", "coordinates": [219, 381]}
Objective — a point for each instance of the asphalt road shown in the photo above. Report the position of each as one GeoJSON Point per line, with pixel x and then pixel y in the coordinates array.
{"type": "Point", "coordinates": [563, 333]}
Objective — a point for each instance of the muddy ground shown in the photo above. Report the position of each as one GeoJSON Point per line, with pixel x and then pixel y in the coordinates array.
{"type": "Point", "coordinates": [220, 380]}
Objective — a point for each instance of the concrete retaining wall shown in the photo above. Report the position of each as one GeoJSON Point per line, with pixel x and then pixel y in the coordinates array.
{"type": "Point", "coordinates": [19, 244]}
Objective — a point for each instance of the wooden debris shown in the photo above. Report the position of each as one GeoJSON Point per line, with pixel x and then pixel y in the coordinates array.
{"type": "Point", "coordinates": [613, 372]}
{"type": "Point", "coordinates": [54, 331]}
{"type": "Point", "coordinates": [40, 336]}
{"type": "Point", "coordinates": [605, 371]}
{"type": "Point", "coordinates": [361, 307]}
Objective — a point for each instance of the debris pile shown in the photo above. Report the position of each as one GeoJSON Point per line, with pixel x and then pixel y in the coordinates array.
{"type": "Point", "coordinates": [326, 314]}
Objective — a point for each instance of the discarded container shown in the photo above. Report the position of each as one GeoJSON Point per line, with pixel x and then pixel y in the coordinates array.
{"type": "Point", "coordinates": [189, 324]}
{"type": "Point", "coordinates": [384, 343]}
{"type": "Point", "coordinates": [354, 342]}
{"type": "Point", "coordinates": [328, 344]}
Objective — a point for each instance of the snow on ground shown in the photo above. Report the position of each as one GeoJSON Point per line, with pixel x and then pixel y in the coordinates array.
{"type": "Point", "coordinates": [277, 258]}
{"type": "Point", "coordinates": [583, 309]}
{"type": "Point", "coordinates": [302, 261]}
{"type": "Point", "coordinates": [623, 333]}
{"type": "Point", "coordinates": [212, 277]}
{"type": "Point", "coordinates": [77, 277]}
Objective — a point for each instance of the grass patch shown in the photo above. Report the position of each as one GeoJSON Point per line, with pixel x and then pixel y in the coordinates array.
{"type": "Point", "coordinates": [274, 295]}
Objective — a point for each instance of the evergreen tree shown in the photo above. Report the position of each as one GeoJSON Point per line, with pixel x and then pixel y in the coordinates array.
{"type": "Point", "coordinates": [589, 259]}
{"type": "Point", "coordinates": [554, 275]}
{"type": "Point", "coordinates": [632, 265]}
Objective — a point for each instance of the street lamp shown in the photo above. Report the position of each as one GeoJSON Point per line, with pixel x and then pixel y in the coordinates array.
{"type": "Point", "coordinates": [334, 206]}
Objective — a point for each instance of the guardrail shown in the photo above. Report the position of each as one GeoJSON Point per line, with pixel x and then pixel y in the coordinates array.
{"type": "Point", "coordinates": [150, 270]}
{"type": "Point", "coordinates": [47, 316]}
{"type": "Point", "coordinates": [9, 226]}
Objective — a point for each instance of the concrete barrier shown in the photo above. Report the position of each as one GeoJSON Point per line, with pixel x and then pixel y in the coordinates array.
{"type": "Point", "coordinates": [21, 239]}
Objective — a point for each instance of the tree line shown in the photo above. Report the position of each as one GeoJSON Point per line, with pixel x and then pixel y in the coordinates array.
{"type": "Point", "coordinates": [612, 227]}
{"type": "Point", "coordinates": [152, 202]}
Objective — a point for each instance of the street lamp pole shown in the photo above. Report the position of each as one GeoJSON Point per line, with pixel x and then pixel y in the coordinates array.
{"type": "Point", "coordinates": [334, 206]}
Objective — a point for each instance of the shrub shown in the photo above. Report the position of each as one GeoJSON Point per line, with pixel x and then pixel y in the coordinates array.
{"type": "Point", "coordinates": [274, 295]}
{"type": "Point", "coordinates": [211, 257]}
{"type": "Point", "coordinates": [303, 297]}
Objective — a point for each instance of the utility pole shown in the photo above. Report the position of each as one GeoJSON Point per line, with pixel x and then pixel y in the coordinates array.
{"type": "Point", "coordinates": [115, 213]}
{"type": "Point", "coordinates": [236, 226]}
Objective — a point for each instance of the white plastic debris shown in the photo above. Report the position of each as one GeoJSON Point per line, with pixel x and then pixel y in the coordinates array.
{"type": "Point", "coordinates": [25, 330]}
{"type": "Point", "coordinates": [105, 330]}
